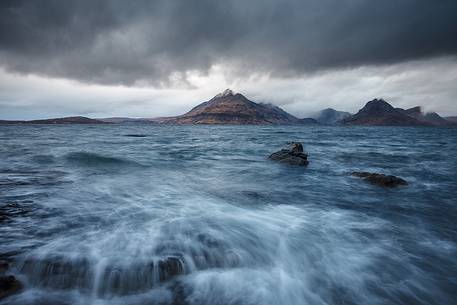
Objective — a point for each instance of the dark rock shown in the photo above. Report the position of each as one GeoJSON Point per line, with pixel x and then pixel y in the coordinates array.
{"type": "Point", "coordinates": [170, 267]}
{"type": "Point", "coordinates": [9, 285]}
{"type": "Point", "coordinates": [296, 147]}
{"type": "Point", "coordinates": [294, 155]}
{"type": "Point", "coordinates": [252, 194]}
{"type": "Point", "coordinates": [4, 265]}
{"type": "Point", "coordinates": [380, 179]}
{"type": "Point", "coordinates": [58, 272]}
{"type": "Point", "coordinates": [135, 135]}
{"type": "Point", "coordinates": [179, 293]}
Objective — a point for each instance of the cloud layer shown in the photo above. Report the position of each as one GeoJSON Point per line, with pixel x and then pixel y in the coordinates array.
{"type": "Point", "coordinates": [430, 83]}
{"type": "Point", "coordinates": [160, 43]}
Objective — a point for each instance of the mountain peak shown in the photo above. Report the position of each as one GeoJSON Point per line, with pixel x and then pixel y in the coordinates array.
{"type": "Point", "coordinates": [226, 92]}
{"type": "Point", "coordinates": [234, 108]}
{"type": "Point", "coordinates": [380, 112]}
{"type": "Point", "coordinates": [415, 110]}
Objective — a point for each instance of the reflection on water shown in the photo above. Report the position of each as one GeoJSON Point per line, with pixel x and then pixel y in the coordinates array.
{"type": "Point", "coordinates": [199, 215]}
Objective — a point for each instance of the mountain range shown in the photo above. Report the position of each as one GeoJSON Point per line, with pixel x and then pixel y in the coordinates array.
{"type": "Point", "coordinates": [232, 108]}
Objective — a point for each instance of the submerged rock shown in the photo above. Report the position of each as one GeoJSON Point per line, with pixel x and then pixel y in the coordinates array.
{"type": "Point", "coordinates": [115, 278]}
{"type": "Point", "coordinates": [9, 285]}
{"type": "Point", "coordinates": [380, 179]}
{"type": "Point", "coordinates": [170, 267]}
{"type": "Point", "coordinates": [4, 265]}
{"type": "Point", "coordinates": [294, 155]}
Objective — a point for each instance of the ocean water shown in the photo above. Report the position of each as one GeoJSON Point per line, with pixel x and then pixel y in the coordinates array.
{"type": "Point", "coordinates": [144, 214]}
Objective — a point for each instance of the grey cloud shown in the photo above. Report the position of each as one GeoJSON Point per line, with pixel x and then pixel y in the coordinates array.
{"type": "Point", "coordinates": [125, 42]}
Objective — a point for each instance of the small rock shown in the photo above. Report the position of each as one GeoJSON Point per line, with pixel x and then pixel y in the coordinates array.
{"type": "Point", "coordinates": [294, 155]}
{"type": "Point", "coordinates": [380, 179]}
{"type": "Point", "coordinates": [252, 194]}
{"type": "Point", "coordinates": [9, 285]}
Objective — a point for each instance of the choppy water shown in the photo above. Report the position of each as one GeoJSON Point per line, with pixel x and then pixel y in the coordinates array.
{"type": "Point", "coordinates": [198, 215]}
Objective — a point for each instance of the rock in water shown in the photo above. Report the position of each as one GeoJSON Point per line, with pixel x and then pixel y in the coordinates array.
{"type": "Point", "coordinates": [380, 179]}
{"type": "Point", "coordinates": [294, 155]}
{"type": "Point", "coordinates": [4, 265]}
{"type": "Point", "coordinates": [170, 267]}
{"type": "Point", "coordinates": [9, 285]}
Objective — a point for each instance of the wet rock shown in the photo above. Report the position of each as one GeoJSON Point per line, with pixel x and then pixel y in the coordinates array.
{"type": "Point", "coordinates": [114, 278]}
{"type": "Point", "coordinates": [293, 155]}
{"type": "Point", "coordinates": [58, 272]}
{"type": "Point", "coordinates": [296, 147]}
{"type": "Point", "coordinates": [179, 294]}
{"type": "Point", "coordinates": [4, 265]}
{"type": "Point", "coordinates": [208, 241]}
{"type": "Point", "coordinates": [135, 135]}
{"type": "Point", "coordinates": [252, 194]}
{"type": "Point", "coordinates": [380, 179]}
{"type": "Point", "coordinates": [9, 285]}
{"type": "Point", "coordinates": [120, 279]}
{"type": "Point", "coordinates": [170, 267]}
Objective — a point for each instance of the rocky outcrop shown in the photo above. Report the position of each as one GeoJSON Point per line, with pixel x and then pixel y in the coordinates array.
{"type": "Point", "coordinates": [380, 179]}
{"type": "Point", "coordinates": [170, 267]}
{"type": "Point", "coordinates": [9, 285]}
{"type": "Point", "coordinates": [293, 155]}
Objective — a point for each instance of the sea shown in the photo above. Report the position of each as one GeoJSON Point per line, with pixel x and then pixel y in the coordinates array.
{"type": "Point", "coordinates": [156, 214]}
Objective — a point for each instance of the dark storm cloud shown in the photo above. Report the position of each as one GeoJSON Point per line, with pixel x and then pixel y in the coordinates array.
{"type": "Point", "coordinates": [131, 41]}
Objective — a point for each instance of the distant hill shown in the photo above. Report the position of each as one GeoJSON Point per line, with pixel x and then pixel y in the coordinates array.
{"type": "Point", "coordinates": [452, 119]}
{"type": "Point", "coordinates": [331, 116]}
{"type": "Point", "coordinates": [66, 120]}
{"type": "Point", "coordinates": [432, 118]}
{"type": "Point", "coordinates": [127, 120]}
{"type": "Point", "coordinates": [379, 112]}
{"type": "Point", "coordinates": [309, 121]}
{"type": "Point", "coordinates": [230, 108]}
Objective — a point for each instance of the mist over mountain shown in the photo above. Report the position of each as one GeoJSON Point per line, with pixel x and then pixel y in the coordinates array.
{"type": "Point", "coordinates": [234, 108]}
{"type": "Point", "coordinates": [331, 116]}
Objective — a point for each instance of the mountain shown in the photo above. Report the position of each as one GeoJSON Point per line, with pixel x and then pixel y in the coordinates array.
{"type": "Point", "coordinates": [331, 116]}
{"type": "Point", "coordinates": [308, 121]}
{"type": "Point", "coordinates": [66, 120]}
{"type": "Point", "coordinates": [230, 108]}
{"type": "Point", "coordinates": [452, 119]}
{"type": "Point", "coordinates": [435, 119]}
{"type": "Point", "coordinates": [379, 112]}
{"type": "Point", "coordinates": [431, 118]}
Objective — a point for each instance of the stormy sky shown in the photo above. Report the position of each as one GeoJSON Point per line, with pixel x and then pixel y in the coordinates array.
{"type": "Point", "coordinates": [157, 58]}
